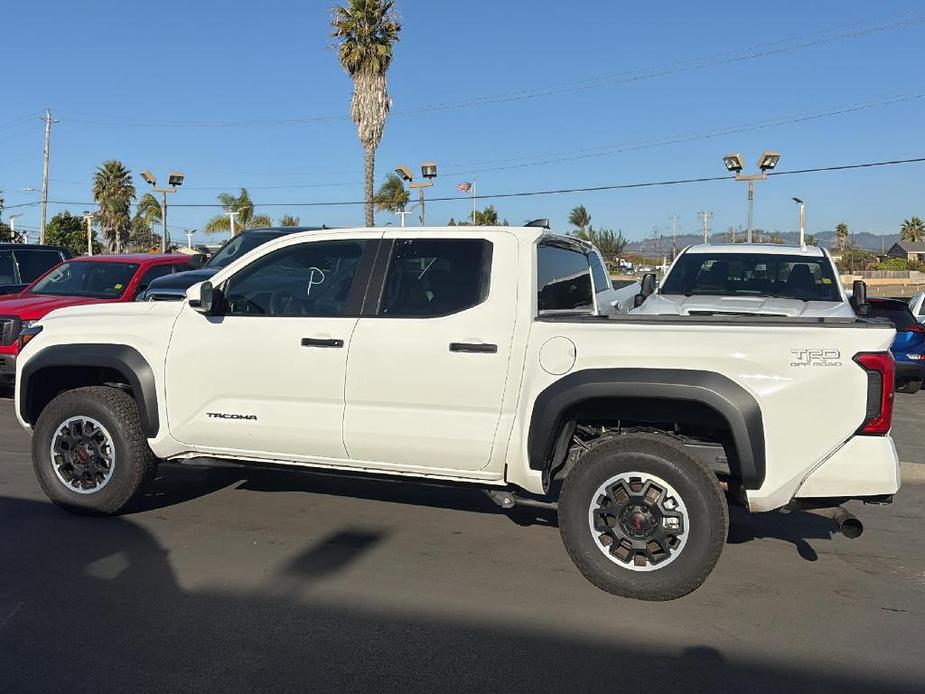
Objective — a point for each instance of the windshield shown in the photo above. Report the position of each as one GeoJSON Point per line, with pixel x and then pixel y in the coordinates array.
{"type": "Point", "coordinates": [753, 274]}
{"type": "Point", "coordinates": [237, 247]}
{"type": "Point", "coordinates": [90, 279]}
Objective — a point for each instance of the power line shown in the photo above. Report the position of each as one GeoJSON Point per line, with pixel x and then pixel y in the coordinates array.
{"type": "Point", "coordinates": [534, 193]}
{"type": "Point", "coordinates": [687, 65]}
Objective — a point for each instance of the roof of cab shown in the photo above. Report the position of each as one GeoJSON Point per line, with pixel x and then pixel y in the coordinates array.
{"type": "Point", "coordinates": [140, 258]}
{"type": "Point", "coordinates": [763, 248]}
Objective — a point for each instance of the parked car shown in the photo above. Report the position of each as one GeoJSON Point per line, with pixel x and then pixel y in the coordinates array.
{"type": "Point", "coordinates": [909, 344]}
{"type": "Point", "coordinates": [173, 288]}
{"type": "Point", "coordinates": [78, 282]}
{"type": "Point", "coordinates": [751, 280]}
{"type": "Point", "coordinates": [23, 263]}
{"type": "Point", "coordinates": [917, 306]}
{"type": "Point", "coordinates": [470, 356]}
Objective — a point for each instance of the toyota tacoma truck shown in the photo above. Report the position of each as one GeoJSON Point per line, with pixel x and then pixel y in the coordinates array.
{"type": "Point", "coordinates": [472, 356]}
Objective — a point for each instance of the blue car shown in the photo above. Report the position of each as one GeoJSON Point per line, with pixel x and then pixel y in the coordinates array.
{"type": "Point", "coordinates": [909, 344]}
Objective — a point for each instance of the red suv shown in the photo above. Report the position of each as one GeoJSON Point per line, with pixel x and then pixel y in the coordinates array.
{"type": "Point", "coordinates": [77, 282]}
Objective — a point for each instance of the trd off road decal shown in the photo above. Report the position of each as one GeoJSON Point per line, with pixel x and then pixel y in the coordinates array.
{"type": "Point", "coordinates": [815, 357]}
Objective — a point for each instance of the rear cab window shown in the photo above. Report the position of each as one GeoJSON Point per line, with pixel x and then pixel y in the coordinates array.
{"type": "Point", "coordinates": [563, 281]}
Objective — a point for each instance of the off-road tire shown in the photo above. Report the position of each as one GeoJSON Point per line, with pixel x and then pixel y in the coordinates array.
{"type": "Point", "coordinates": [699, 489]}
{"type": "Point", "coordinates": [135, 463]}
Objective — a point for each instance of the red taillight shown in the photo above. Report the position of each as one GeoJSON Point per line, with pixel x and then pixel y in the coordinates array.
{"type": "Point", "coordinates": [915, 328]}
{"type": "Point", "coordinates": [880, 369]}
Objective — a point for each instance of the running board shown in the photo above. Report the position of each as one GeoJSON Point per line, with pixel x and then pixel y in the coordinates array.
{"type": "Point", "coordinates": [505, 499]}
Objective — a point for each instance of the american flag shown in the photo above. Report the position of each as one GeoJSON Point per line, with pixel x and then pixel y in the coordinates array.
{"type": "Point", "coordinates": [464, 187]}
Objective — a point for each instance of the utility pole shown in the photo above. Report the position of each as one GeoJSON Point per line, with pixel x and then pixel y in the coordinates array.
{"type": "Point", "coordinates": [48, 121]}
{"type": "Point", "coordinates": [674, 235]}
{"type": "Point", "coordinates": [89, 217]}
{"type": "Point", "coordinates": [231, 216]}
{"type": "Point", "coordinates": [189, 238]}
{"type": "Point", "coordinates": [705, 217]}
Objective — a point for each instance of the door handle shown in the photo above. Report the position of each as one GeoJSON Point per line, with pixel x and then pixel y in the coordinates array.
{"type": "Point", "coordinates": [321, 342]}
{"type": "Point", "coordinates": [475, 347]}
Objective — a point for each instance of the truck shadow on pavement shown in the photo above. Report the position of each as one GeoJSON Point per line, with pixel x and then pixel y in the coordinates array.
{"type": "Point", "coordinates": [178, 483]}
{"type": "Point", "coordinates": [92, 604]}
{"type": "Point", "coordinates": [796, 527]}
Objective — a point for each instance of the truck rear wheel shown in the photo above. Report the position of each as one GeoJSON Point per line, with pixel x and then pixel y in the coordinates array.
{"type": "Point", "coordinates": [89, 451]}
{"type": "Point", "coordinates": [643, 519]}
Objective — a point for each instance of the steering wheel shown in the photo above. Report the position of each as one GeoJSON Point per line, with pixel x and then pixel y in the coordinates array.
{"type": "Point", "coordinates": [241, 304]}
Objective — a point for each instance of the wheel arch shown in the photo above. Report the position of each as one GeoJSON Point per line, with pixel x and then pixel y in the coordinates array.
{"type": "Point", "coordinates": [58, 368]}
{"type": "Point", "coordinates": [625, 391]}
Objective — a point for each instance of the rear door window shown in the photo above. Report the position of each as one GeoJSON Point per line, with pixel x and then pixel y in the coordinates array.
{"type": "Point", "coordinates": [436, 277]}
{"type": "Point", "coordinates": [563, 279]}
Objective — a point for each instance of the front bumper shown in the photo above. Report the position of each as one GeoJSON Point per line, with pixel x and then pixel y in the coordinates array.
{"type": "Point", "coordinates": [7, 368]}
{"type": "Point", "coordinates": [908, 371]}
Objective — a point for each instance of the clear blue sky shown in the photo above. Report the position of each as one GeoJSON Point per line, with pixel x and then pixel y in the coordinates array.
{"type": "Point", "coordinates": [155, 85]}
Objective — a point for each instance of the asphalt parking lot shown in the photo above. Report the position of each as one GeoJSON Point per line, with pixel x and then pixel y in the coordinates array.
{"type": "Point", "coordinates": [235, 580]}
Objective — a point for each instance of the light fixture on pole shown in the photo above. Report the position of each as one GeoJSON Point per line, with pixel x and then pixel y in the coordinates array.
{"type": "Point", "coordinates": [428, 172]}
{"type": "Point", "coordinates": [89, 217]}
{"type": "Point", "coordinates": [735, 164]}
{"type": "Point", "coordinates": [174, 180]}
{"type": "Point", "coordinates": [802, 222]}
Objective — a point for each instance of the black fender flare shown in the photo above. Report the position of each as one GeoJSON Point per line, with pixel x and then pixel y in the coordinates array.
{"type": "Point", "coordinates": [732, 401]}
{"type": "Point", "coordinates": [127, 360]}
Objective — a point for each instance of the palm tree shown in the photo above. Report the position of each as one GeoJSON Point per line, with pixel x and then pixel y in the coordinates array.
{"type": "Point", "coordinates": [147, 213]}
{"type": "Point", "coordinates": [245, 218]}
{"type": "Point", "coordinates": [391, 195]}
{"type": "Point", "coordinates": [368, 30]}
{"type": "Point", "coordinates": [841, 235]}
{"type": "Point", "coordinates": [287, 220]}
{"type": "Point", "coordinates": [114, 191]}
{"type": "Point", "coordinates": [912, 230]}
{"type": "Point", "coordinates": [579, 218]}
{"type": "Point", "coordinates": [148, 209]}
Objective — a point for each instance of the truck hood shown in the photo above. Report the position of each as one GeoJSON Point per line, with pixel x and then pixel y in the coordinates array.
{"type": "Point", "coordinates": [183, 280]}
{"type": "Point", "coordinates": [33, 307]}
{"type": "Point", "coordinates": [680, 305]}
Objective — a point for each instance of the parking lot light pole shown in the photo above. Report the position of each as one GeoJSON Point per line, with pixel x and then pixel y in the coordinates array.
{"type": "Point", "coordinates": [12, 219]}
{"type": "Point", "coordinates": [802, 222]}
{"type": "Point", "coordinates": [428, 172]}
{"type": "Point", "coordinates": [735, 164]}
{"type": "Point", "coordinates": [175, 180]}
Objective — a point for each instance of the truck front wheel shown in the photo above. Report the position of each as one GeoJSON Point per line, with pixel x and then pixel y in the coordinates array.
{"type": "Point", "coordinates": [89, 451]}
{"type": "Point", "coordinates": [643, 519]}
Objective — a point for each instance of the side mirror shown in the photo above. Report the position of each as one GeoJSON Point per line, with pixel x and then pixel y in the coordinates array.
{"type": "Point", "coordinates": [859, 297]}
{"type": "Point", "coordinates": [209, 298]}
{"type": "Point", "coordinates": [648, 288]}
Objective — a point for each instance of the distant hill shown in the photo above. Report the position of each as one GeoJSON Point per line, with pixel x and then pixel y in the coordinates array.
{"type": "Point", "coordinates": [865, 240]}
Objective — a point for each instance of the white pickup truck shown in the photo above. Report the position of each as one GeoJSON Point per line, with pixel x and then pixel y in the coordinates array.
{"type": "Point", "coordinates": [751, 279]}
{"type": "Point", "coordinates": [473, 356]}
